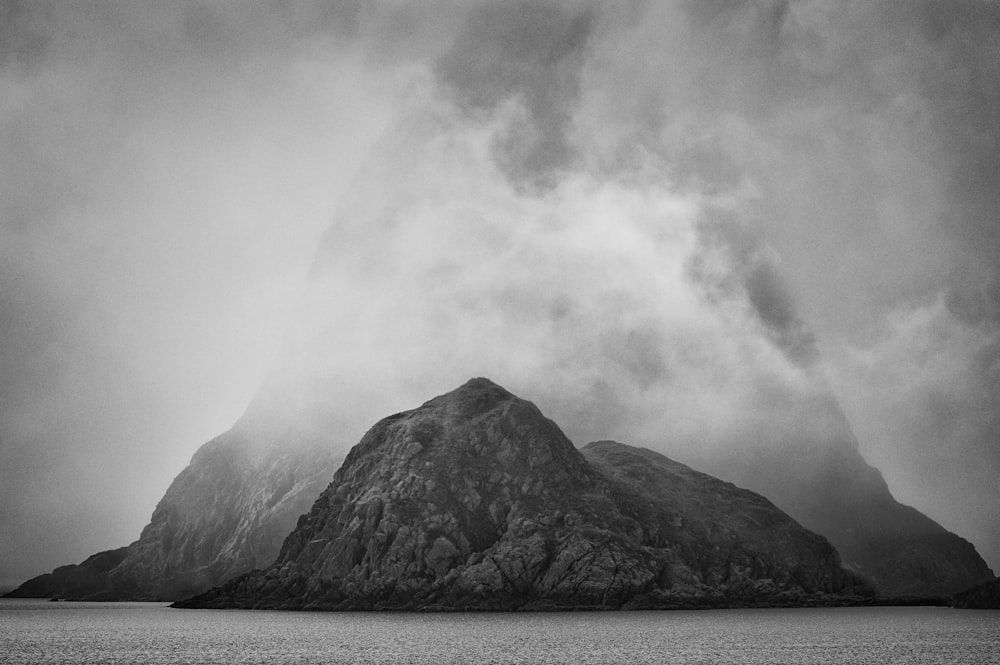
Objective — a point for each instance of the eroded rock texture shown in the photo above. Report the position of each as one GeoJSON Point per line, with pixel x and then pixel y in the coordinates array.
{"type": "Point", "coordinates": [475, 500]}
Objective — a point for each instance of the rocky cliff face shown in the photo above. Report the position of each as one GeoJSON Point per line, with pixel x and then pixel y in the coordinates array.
{"type": "Point", "coordinates": [476, 501]}
{"type": "Point", "coordinates": [726, 528]}
{"type": "Point", "coordinates": [226, 513]}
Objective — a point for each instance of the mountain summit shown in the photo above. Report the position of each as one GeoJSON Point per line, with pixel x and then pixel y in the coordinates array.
{"type": "Point", "coordinates": [475, 500]}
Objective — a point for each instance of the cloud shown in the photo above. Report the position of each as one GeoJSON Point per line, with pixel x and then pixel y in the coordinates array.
{"type": "Point", "coordinates": [850, 148]}
{"type": "Point", "coordinates": [582, 297]}
{"type": "Point", "coordinates": [528, 52]}
{"type": "Point", "coordinates": [665, 223]}
{"type": "Point", "coordinates": [160, 198]}
{"type": "Point", "coordinates": [924, 400]}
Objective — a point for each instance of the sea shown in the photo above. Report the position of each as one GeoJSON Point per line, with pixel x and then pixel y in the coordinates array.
{"type": "Point", "coordinates": [39, 631]}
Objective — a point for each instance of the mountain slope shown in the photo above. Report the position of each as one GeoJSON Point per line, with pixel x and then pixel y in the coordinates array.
{"type": "Point", "coordinates": [475, 500]}
{"type": "Point", "coordinates": [88, 579]}
{"type": "Point", "coordinates": [834, 492]}
{"type": "Point", "coordinates": [985, 596]}
{"type": "Point", "coordinates": [703, 516]}
{"type": "Point", "coordinates": [225, 514]}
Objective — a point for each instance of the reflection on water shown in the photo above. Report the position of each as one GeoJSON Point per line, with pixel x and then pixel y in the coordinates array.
{"type": "Point", "coordinates": [43, 632]}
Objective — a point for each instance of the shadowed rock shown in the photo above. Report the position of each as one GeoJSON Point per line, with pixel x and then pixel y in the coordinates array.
{"type": "Point", "coordinates": [985, 596]}
{"type": "Point", "coordinates": [84, 580]}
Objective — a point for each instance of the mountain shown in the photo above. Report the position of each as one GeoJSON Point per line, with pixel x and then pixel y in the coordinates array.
{"type": "Point", "coordinates": [226, 513]}
{"type": "Point", "coordinates": [985, 596]}
{"type": "Point", "coordinates": [87, 579]}
{"type": "Point", "coordinates": [833, 491]}
{"type": "Point", "coordinates": [900, 549]}
{"type": "Point", "coordinates": [475, 500]}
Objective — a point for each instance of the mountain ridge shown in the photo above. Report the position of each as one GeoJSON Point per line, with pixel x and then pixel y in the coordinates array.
{"type": "Point", "coordinates": [835, 492]}
{"type": "Point", "coordinates": [229, 511]}
{"type": "Point", "coordinates": [476, 500]}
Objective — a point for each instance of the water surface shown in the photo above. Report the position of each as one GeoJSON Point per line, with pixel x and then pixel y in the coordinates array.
{"type": "Point", "coordinates": [43, 632]}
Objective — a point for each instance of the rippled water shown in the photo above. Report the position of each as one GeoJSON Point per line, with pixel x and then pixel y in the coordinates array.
{"type": "Point", "coordinates": [44, 632]}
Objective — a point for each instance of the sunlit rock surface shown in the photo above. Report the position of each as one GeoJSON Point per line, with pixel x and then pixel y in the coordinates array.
{"type": "Point", "coordinates": [475, 500]}
{"type": "Point", "coordinates": [226, 513]}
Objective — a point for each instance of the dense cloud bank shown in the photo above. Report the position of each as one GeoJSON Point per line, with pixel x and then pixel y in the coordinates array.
{"type": "Point", "coordinates": [683, 225]}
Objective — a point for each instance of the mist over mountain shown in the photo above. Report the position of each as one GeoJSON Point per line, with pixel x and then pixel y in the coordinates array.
{"type": "Point", "coordinates": [226, 513]}
{"type": "Point", "coordinates": [834, 492]}
{"type": "Point", "coordinates": [759, 238]}
{"type": "Point", "coordinates": [475, 500]}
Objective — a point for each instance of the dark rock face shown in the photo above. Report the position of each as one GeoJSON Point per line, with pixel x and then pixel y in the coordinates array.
{"type": "Point", "coordinates": [727, 530]}
{"type": "Point", "coordinates": [985, 596]}
{"type": "Point", "coordinates": [475, 500]}
{"type": "Point", "coordinates": [225, 514]}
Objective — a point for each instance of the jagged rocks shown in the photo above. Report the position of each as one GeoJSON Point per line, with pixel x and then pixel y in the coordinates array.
{"type": "Point", "coordinates": [475, 500]}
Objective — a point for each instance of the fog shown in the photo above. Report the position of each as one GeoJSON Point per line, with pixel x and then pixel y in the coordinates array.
{"type": "Point", "coordinates": [672, 224]}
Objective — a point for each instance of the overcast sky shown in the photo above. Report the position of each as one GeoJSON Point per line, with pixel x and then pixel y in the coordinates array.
{"type": "Point", "coordinates": [657, 222]}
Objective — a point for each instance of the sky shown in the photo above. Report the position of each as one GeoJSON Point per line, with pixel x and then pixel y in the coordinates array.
{"type": "Point", "coordinates": [686, 225]}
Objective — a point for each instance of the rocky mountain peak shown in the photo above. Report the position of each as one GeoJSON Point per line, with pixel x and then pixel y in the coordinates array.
{"type": "Point", "coordinates": [475, 396]}
{"type": "Point", "coordinates": [466, 433]}
{"type": "Point", "coordinates": [475, 500]}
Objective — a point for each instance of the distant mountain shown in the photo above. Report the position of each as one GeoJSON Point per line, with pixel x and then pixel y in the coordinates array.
{"type": "Point", "coordinates": [88, 579]}
{"type": "Point", "coordinates": [226, 513]}
{"type": "Point", "coordinates": [832, 490]}
{"type": "Point", "coordinates": [475, 500]}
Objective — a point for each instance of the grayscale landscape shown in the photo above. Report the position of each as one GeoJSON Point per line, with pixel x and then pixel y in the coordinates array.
{"type": "Point", "coordinates": [474, 328]}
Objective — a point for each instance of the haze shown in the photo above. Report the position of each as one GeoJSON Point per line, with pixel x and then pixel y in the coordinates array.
{"type": "Point", "coordinates": [673, 224]}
